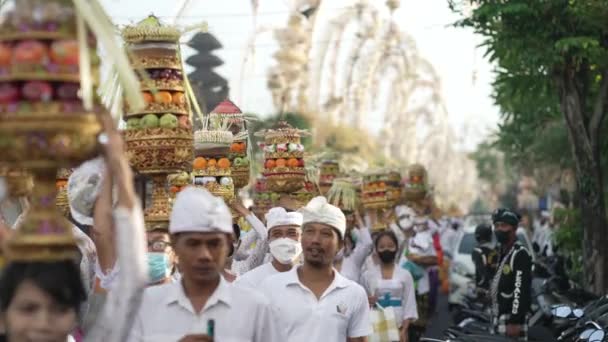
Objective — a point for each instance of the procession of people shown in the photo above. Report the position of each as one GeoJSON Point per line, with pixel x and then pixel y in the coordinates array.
{"type": "Point", "coordinates": [153, 240]}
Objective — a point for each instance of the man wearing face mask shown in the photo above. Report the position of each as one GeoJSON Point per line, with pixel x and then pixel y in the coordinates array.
{"type": "Point", "coordinates": [511, 286]}
{"type": "Point", "coordinates": [485, 259]}
{"type": "Point", "coordinates": [314, 302]}
{"type": "Point", "coordinates": [284, 230]}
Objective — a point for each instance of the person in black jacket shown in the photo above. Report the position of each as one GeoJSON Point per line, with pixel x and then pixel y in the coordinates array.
{"type": "Point", "coordinates": [511, 286]}
{"type": "Point", "coordinates": [485, 259]}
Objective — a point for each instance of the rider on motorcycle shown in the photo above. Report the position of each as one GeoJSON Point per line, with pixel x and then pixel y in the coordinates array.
{"type": "Point", "coordinates": [511, 286]}
{"type": "Point", "coordinates": [485, 258]}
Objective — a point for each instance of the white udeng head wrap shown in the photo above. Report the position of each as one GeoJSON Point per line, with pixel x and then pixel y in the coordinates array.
{"type": "Point", "coordinates": [319, 211]}
{"type": "Point", "coordinates": [195, 210]}
{"type": "Point", "coordinates": [84, 186]}
{"type": "Point", "coordinates": [280, 217]}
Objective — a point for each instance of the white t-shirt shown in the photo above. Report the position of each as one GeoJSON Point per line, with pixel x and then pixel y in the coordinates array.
{"type": "Point", "coordinates": [421, 244]}
{"type": "Point", "coordinates": [352, 263]}
{"type": "Point", "coordinates": [256, 276]}
{"type": "Point", "coordinates": [240, 314]}
{"type": "Point", "coordinates": [340, 313]}
{"type": "Point", "coordinates": [397, 292]}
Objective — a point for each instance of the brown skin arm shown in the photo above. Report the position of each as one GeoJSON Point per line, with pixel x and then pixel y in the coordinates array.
{"type": "Point", "coordinates": [118, 173]}
{"type": "Point", "coordinates": [423, 260]}
{"type": "Point", "coordinates": [103, 228]}
{"type": "Point", "coordinates": [357, 339]}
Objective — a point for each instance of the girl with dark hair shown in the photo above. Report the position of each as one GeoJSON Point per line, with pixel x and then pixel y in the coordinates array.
{"type": "Point", "coordinates": [40, 300]}
{"type": "Point", "coordinates": [389, 285]}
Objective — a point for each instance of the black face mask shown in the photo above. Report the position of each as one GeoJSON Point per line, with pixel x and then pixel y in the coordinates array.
{"type": "Point", "coordinates": [502, 237]}
{"type": "Point", "coordinates": [387, 256]}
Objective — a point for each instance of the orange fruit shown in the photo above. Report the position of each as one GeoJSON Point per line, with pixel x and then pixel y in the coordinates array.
{"type": "Point", "coordinates": [178, 98]}
{"type": "Point", "coordinates": [281, 162]}
{"type": "Point", "coordinates": [234, 147]}
{"type": "Point", "coordinates": [242, 147]}
{"type": "Point", "coordinates": [61, 183]}
{"type": "Point", "coordinates": [163, 97]}
{"type": "Point", "coordinates": [147, 97]}
{"type": "Point", "coordinates": [199, 163]}
{"type": "Point", "coordinates": [270, 164]}
{"type": "Point", "coordinates": [174, 189]}
{"type": "Point", "coordinates": [292, 162]}
{"type": "Point", "coordinates": [211, 162]}
{"type": "Point", "coordinates": [223, 163]}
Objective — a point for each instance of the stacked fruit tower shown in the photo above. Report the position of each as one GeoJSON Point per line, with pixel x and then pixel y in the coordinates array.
{"type": "Point", "coordinates": [61, 183]}
{"type": "Point", "coordinates": [211, 167]}
{"type": "Point", "coordinates": [263, 199]}
{"type": "Point", "coordinates": [393, 184]}
{"type": "Point", "coordinates": [374, 195]}
{"type": "Point", "coordinates": [48, 71]}
{"type": "Point", "coordinates": [284, 158]}
{"type": "Point", "coordinates": [328, 171]}
{"type": "Point", "coordinates": [159, 136]}
{"type": "Point", "coordinates": [415, 188]}
{"type": "Point", "coordinates": [228, 112]}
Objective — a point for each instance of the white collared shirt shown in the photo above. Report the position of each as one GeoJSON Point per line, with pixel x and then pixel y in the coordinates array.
{"type": "Point", "coordinates": [341, 312]}
{"type": "Point", "coordinates": [256, 276]}
{"type": "Point", "coordinates": [240, 315]}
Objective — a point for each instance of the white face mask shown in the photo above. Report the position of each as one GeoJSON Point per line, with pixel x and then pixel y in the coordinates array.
{"type": "Point", "coordinates": [285, 250]}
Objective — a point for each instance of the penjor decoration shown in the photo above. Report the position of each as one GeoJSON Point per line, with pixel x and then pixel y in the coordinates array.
{"type": "Point", "coordinates": [48, 72]}
{"type": "Point", "coordinates": [159, 136]}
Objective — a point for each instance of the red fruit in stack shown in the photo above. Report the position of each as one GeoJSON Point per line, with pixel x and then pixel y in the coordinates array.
{"type": "Point", "coordinates": [68, 91]}
{"type": "Point", "coordinates": [30, 51]}
{"type": "Point", "coordinates": [270, 164]}
{"type": "Point", "coordinates": [300, 162]}
{"type": "Point", "coordinates": [65, 52]}
{"type": "Point", "coordinates": [184, 122]}
{"type": "Point", "coordinates": [6, 54]}
{"type": "Point", "coordinates": [37, 91]}
{"type": "Point", "coordinates": [9, 93]}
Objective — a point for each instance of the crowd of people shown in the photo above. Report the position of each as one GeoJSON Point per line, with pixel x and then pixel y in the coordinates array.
{"type": "Point", "coordinates": [312, 274]}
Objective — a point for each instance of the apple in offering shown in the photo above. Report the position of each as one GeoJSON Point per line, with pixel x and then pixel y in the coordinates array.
{"type": "Point", "coordinates": [168, 121]}
{"type": "Point", "coordinates": [240, 161]}
{"type": "Point", "coordinates": [37, 91]}
{"type": "Point", "coordinates": [184, 122]}
{"type": "Point", "coordinates": [9, 93]}
{"type": "Point", "coordinates": [65, 52]}
{"type": "Point", "coordinates": [133, 123]}
{"type": "Point", "coordinates": [149, 121]}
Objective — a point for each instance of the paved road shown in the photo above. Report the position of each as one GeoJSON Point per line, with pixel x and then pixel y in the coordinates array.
{"type": "Point", "coordinates": [441, 320]}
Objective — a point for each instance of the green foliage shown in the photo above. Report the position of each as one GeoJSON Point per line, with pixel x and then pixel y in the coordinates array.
{"type": "Point", "coordinates": [568, 237]}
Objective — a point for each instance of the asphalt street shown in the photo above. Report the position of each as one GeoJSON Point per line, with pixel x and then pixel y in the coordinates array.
{"type": "Point", "coordinates": [441, 320]}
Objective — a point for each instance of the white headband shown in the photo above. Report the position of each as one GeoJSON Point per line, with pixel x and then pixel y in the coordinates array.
{"type": "Point", "coordinates": [280, 217]}
{"type": "Point", "coordinates": [197, 210]}
{"type": "Point", "coordinates": [319, 211]}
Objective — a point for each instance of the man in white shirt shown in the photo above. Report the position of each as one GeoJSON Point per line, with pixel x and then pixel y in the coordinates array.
{"type": "Point", "coordinates": [313, 301]}
{"type": "Point", "coordinates": [284, 231]}
{"type": "Point", "coordinates": [203, 303]}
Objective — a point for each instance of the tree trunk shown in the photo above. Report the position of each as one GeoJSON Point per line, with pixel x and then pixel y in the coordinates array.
{"type": "Point", "coordinates": [590, 185]}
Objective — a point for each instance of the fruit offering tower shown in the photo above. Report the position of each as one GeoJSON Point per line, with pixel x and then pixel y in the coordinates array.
{"type": "Point", "coordinates": [283, 158]}
{"type": "Point", "coordinates": [416, 183]}
{"type": "Point", "coordinates": [159, 136]}
{"type": "Point", "coordinates": [61, 199]}
{"type": "Point", "coordinates": [393, 183]}
{"type": "Point", "coordinates": [240, 148]}
{"type": "Point", "coordinates": [48, 72]}
{"type": "Point", "coordinates": [263, 199]}
{"type": "Point", "coordinates": [328, 171]}
{"type": "Point", "coordinates": [374, 191]}
{"type": "Point", "coordinates": [344, 194]}
{"type": "Point", "coordinates": [211, 167]}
